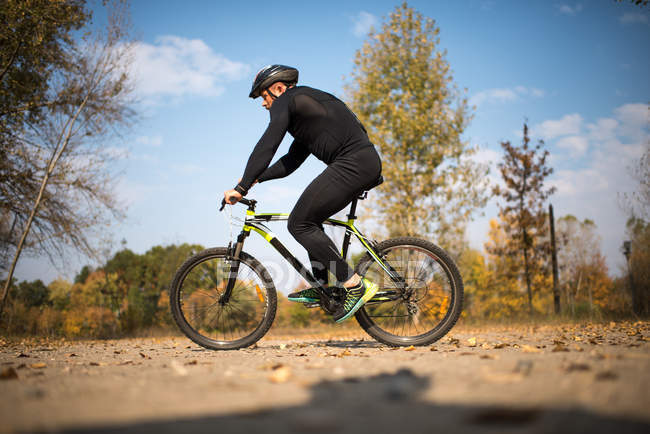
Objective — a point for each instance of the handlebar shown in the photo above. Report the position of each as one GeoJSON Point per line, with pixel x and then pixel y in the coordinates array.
{"type": "Point", "coordinates": [243, 201]}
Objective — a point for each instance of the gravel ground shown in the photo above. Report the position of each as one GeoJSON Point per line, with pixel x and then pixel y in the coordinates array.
{"type": "Point", "coordinates": [563, 378]}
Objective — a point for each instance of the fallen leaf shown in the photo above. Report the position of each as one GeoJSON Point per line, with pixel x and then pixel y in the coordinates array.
{"type": "Point", "coordinates": [344, 353]}
{"type": "Point", "coordinates": [606, 376]}
{"type": "Point", "coordinates": [576, 366]}
{"type": "Point", "coordinates": [269, 366]}
{"type": "Point", "coordinates": [192, 362]}
{"type": "Point", "coordinates": [410, 348]}
{"type": "Point", "coordinates": [500, 345]}
{"type": "Point", "coordinates": [471, 342]}
{"type": "Point", "coordinates": [433, 349]}
{"type": "Point", "coordinates": [280, 375]}
{"type": "Point", "coordinates": [524, 367]}
{"type": "Point", "coordinates": [39, 365]}
{"type": "Point", "coordinates": [485, 346]}
{"type": "Point", "coordinates": [8, 374]}
{"type": "Point", "coordinates": [143, 355]}
{"type": "Point", "coordinates": [530, 349]}
{"type": "Point", "coordinates": [94, 364]}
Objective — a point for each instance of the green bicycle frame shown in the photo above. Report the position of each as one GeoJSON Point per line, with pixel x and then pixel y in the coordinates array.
{"type": "Point", "coordinates": [255, 222]}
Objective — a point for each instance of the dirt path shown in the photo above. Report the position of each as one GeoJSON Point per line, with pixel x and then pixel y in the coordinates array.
{"type": "Point", "coordinates": [520, 379]}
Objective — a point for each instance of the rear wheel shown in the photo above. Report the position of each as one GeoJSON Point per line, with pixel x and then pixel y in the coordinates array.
{"type": "Point", "coordinates": [422, 310]}
{"type": "Point", "coordinates": [198, 308]}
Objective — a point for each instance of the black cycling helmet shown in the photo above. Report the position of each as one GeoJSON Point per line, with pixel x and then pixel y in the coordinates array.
{"type": "Point", "coordinates": [272, 74]}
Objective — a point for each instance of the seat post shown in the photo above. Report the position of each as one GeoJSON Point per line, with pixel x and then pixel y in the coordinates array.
{"type": "Point", "coordinates": [346, 237]}
{"type": "Point", "coordinates": [353, 209]}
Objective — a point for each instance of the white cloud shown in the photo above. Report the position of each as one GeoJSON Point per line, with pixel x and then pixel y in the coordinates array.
{"type": "Point", "coordinates": [604, 130]}
{"type": "Point", "coordinates": [363, 22]}
{"type": "Point", "coordinates": [154, 141]}
{"type": "Point", "coordinates": [633, 18]}
{"type": "Point", "coordinates": [569, 124]}
{"type": "Point", "coordinates": [579, 182]}
{"type": "Point", "coordinates": [635, 119]}
{"type": "Point", "coordinates": [486, 156]}
{"type": "Point", "coordinates": [176, 66]}
{"type": "Point", "coordinates": [570, 10]}
{"type": "Point", "coordinates": [504, 95]}
{"type": "Point", "coordinates": [576, 145]}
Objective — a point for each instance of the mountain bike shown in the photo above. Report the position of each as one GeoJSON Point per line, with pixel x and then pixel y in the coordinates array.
{"type": "Point", "coordinates": [223, 298]}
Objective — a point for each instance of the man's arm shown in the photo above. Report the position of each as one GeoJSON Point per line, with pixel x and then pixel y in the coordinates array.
{"type": "Point", "coordinates": [286, 165]}
{"type": "Point", "coordinates": [266, 147]}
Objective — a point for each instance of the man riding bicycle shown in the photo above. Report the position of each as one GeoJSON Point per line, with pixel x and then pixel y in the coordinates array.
{"type": "Point", "coordinates": [324, 126]}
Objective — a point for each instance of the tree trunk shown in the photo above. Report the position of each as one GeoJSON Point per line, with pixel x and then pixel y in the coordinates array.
{"type": "Point", "coordinates": [58, 150]}
{"type": "Point", "coordinates": [528, 288]}
{"type": "Point", "coordinates": [556, 284]}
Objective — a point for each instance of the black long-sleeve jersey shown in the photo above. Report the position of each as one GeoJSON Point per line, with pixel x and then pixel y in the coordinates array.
{"type": "Point", "coordinates": [320, 123]}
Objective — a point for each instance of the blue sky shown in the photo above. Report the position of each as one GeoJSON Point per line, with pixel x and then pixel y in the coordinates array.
{"type": "Point", "coordinates": [578, 71]}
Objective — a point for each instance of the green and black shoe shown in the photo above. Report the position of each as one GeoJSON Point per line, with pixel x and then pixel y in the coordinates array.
{"type": "Point", "coordinates": [355, 298]}
{"type": "Point", "coordinates": [309, 295]}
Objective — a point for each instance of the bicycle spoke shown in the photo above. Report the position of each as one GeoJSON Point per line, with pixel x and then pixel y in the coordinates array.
{"type": "Point", "coordinates": [202, 290]}
{"type": "Point", "coordinates": [429, 300]}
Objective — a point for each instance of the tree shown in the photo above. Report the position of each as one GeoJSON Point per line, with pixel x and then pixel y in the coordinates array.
{"type": "Point", "coordinates": [403, 92]}
{"type": "Point", "coordinates": [34, 37]}
{"type": "Point", "coordinates": [637, 206]}
{"type": "Point", "coordinates": [33, 294]}
{"type": "Point", "coordinates": [637, 203]}
{"type": "Point", "coordinates": [65, 194]}
{"type": "Point", "coordinates": [523, 171]}
{"type": "Point", "coordinates": [639, 264]}
{"type": "Point", "coordinates": [583, 271]}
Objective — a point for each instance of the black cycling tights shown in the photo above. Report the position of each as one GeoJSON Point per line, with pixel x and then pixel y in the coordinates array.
{"type": "Point", "coordinates": [343, 180]}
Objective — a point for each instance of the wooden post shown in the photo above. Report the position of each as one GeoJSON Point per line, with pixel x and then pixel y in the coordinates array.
{"type": "Point", "coordinates": [556, 289]}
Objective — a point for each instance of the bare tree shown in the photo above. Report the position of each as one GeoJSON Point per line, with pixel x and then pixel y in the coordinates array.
{"type": "Point", "coordinates": [66, 196]}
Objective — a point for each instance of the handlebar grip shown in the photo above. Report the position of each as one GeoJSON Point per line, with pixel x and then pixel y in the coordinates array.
{"type": "Point", "coordinates": [243, 201]}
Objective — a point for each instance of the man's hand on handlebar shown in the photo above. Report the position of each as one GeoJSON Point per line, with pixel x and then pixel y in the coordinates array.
{"type": "Point", "coordinates": [231, 197]}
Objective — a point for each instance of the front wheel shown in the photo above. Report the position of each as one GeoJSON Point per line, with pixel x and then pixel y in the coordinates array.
{"type": "Point", "coordinates": [209, 319]}
{"type": "Point", "coordinates": [424, 306]}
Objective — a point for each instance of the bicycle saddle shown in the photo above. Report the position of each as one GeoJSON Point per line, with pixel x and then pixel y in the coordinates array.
{"type": "Point", "coordinates": [364, 193]}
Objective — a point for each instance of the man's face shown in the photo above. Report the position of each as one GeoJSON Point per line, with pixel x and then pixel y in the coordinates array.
{"type": "Point", "coordinates": [267, 100]}
{"type": "Point", "coordinates": [277, 89]}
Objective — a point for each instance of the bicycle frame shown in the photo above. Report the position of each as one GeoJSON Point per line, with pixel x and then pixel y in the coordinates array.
{"type": "Point", "coordinates": [256, 222]}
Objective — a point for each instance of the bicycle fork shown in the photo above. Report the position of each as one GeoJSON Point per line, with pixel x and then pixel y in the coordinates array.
{"type": "Point", "coordinates": [233, 256]}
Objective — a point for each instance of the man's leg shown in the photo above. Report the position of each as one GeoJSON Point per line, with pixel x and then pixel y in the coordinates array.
{"type": "Point", "coordinates": [319, 270]}
{"type": "Point", "coordinates": [324, 197]}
